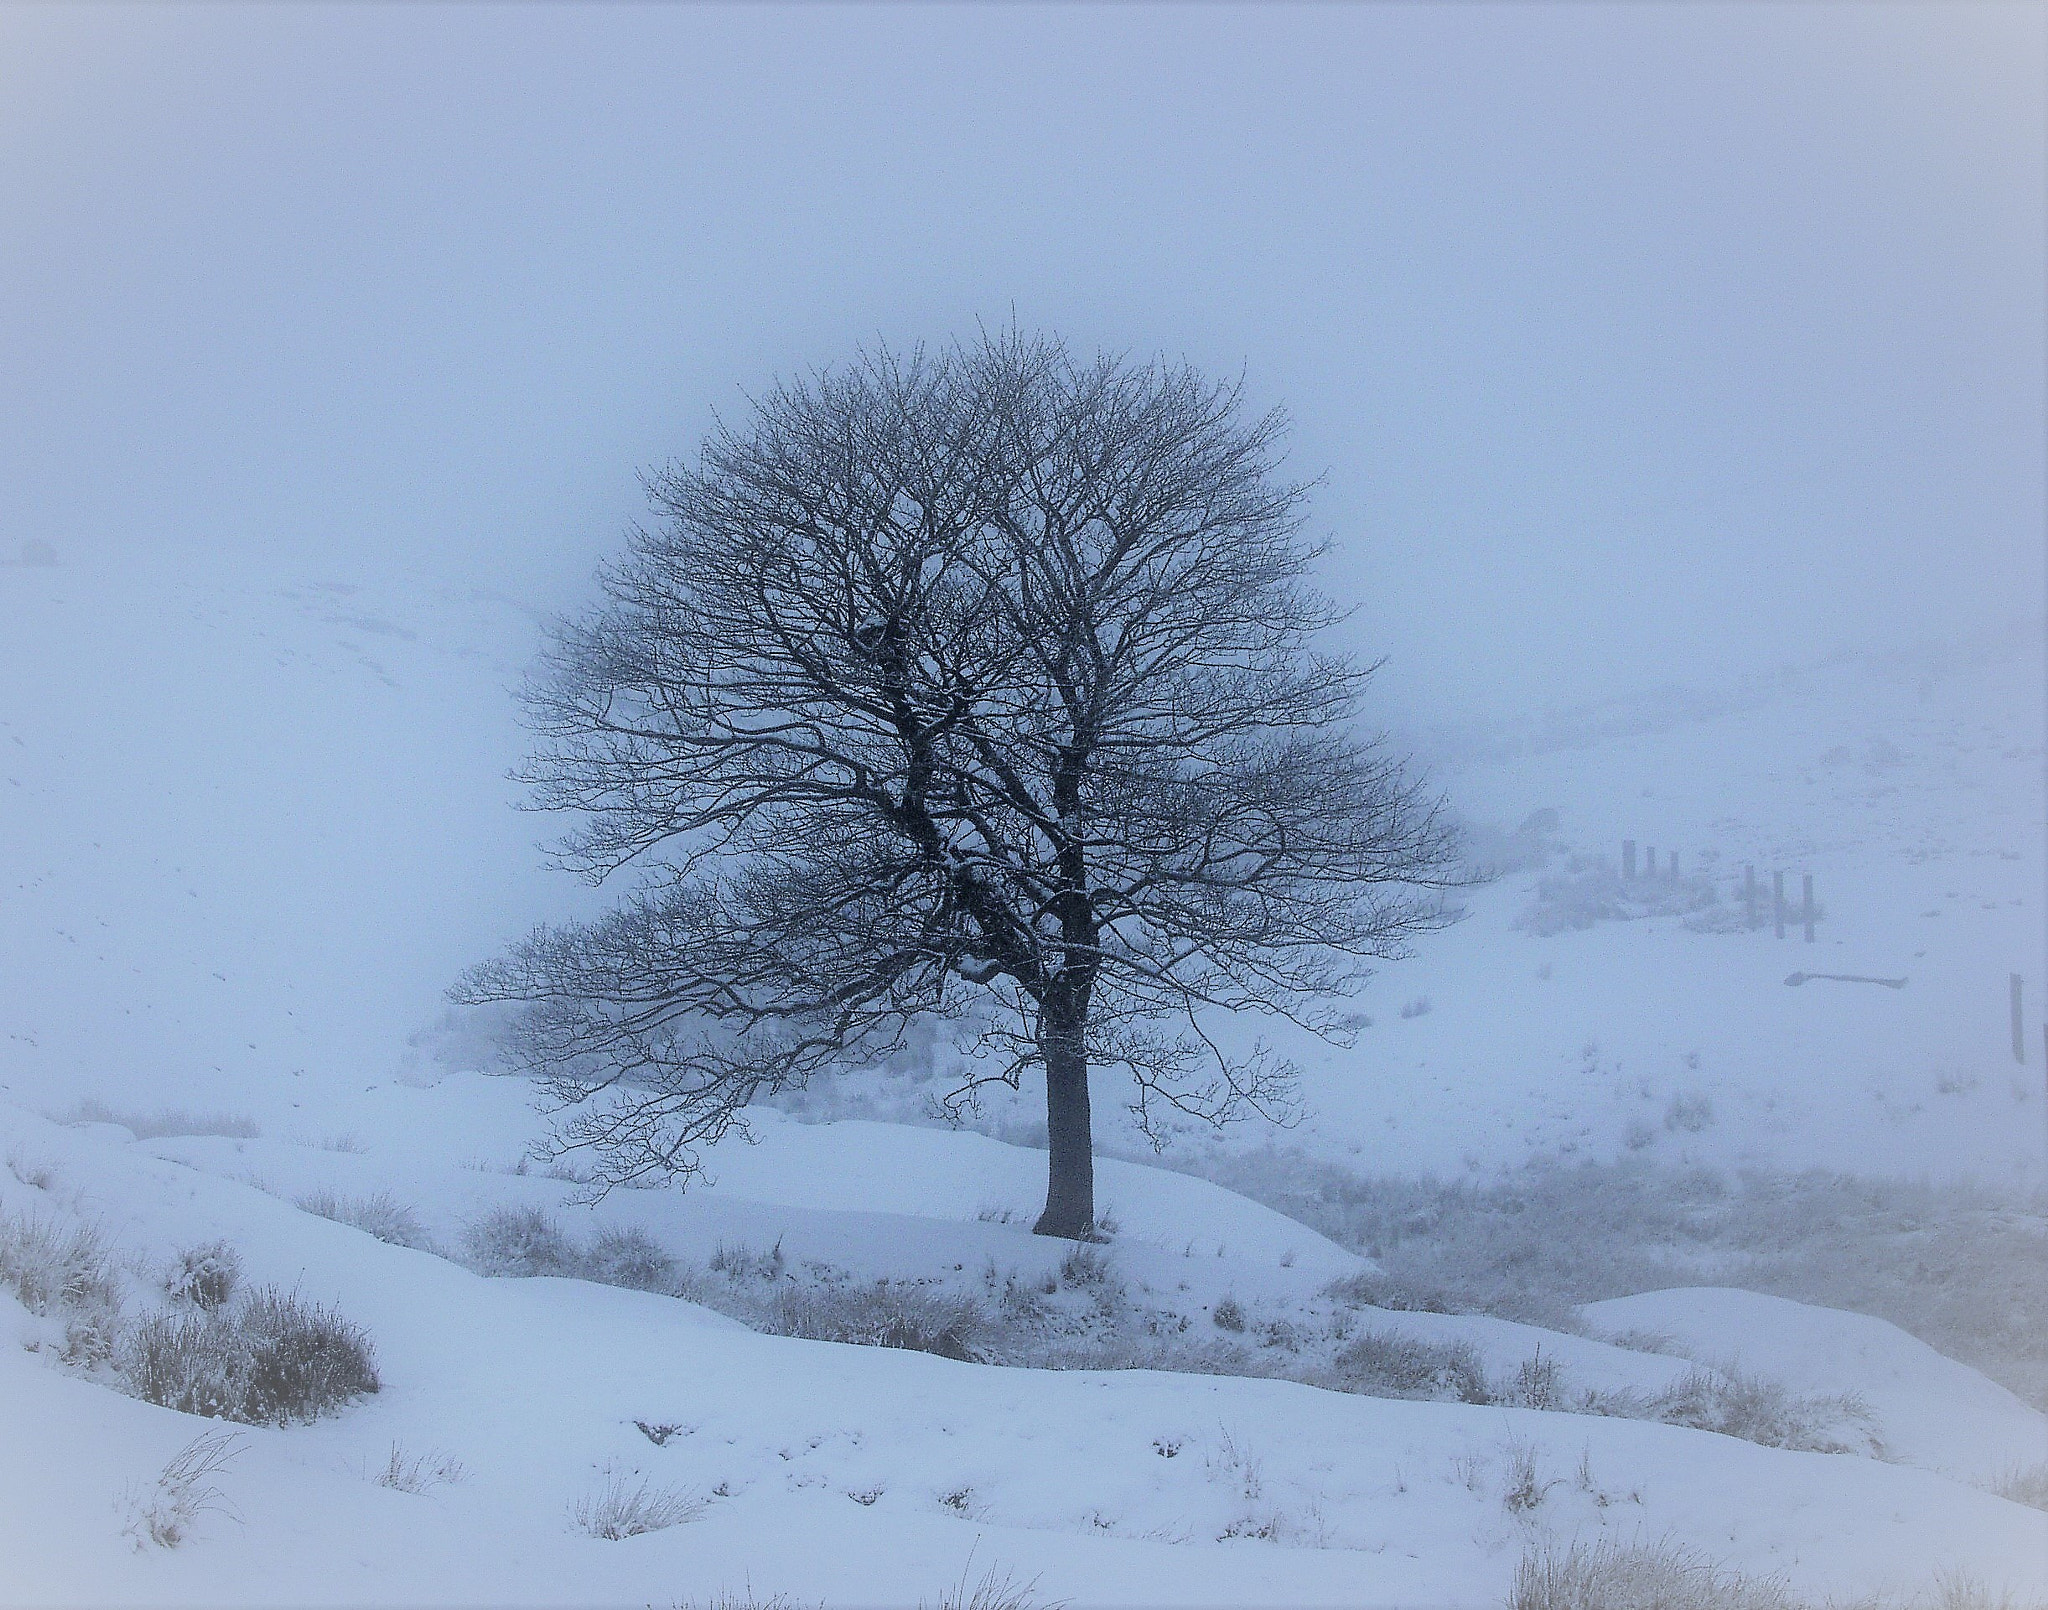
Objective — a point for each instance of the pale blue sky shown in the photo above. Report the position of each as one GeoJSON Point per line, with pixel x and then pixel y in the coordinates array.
{"type": "Point", "coordinates": [1638, 342]}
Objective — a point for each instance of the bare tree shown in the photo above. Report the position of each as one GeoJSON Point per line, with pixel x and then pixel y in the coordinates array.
{"type": "Point", "coordinates": [978, 685]}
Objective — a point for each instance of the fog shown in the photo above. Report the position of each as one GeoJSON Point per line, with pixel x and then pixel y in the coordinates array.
{"type": "Point", "coordinates": [1635, 344]}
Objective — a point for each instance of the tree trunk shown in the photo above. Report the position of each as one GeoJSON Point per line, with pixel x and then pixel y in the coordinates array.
{"type": "Point", "coordinates": [1070, 1184]}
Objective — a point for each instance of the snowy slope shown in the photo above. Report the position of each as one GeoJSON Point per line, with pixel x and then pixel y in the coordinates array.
{"type": "Point", "coordinates": [256, 823]}
{"type": "Point", "coordinates": [864, 1474]}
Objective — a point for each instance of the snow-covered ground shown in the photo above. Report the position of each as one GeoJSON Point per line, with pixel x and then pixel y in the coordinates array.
{"type": "Point", "coordinates": [255, 824]}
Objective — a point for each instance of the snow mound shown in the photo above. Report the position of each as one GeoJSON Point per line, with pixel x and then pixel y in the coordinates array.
{"type": "Point", "coordinates": [1935, 1412]}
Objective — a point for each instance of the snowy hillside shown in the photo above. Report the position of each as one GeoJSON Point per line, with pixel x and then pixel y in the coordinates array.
{"type": "Point", "coordinates": [255, 824]}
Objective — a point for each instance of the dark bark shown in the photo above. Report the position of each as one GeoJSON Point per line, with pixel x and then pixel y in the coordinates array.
{"type": "Point", "coordinates": [1070, 1166]}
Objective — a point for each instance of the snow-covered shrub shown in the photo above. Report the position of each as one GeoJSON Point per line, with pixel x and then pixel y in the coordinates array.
{"type": "Point", "coordinates": [1228, 1314]}
{"type": "Point", "coordinates": [51, 1268]}
{"type": "Point", "coordinates": [164, 1122]}
{"type": "Point", "coordinates": [1611, 1575]}
{"type": "Point", "coordinates": [379, 1214]}
{"type": "Point", "coordinates": [205, 1276]}
{"type": "Point", "coordinates": [622, 1508]}
{"type": "Point", "coordinates": [519, 1241]}
{"type": "Point", "coordinates": [1419, 1007]}
{"type": "Point", "coordinates": [1384, 1364]}
{"type": "Point", "coordinates": [881, 1313]}
{"type": "Point", "coordinates": [632, 1258]}
{"type": "Point", "coordinates": [1767, 1412]}
{"type": "Point", "coordinates": [164, 1512]}
{"type": "Point", "coordinates": [267, 1359]}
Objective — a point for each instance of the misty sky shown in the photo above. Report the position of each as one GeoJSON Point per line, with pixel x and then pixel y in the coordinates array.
{"type": "Point", "coordinates": [1638, 343]}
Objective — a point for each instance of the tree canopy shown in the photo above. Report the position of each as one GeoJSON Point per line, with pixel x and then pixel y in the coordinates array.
{"type": "Point", "coordinates": [979, 684]}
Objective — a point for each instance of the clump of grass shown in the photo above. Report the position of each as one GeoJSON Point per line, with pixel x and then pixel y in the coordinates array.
{"type": "Point", "coordinates": [519, 1241]}
{"type": "Point", "coordinates": [631, 1258]}
{"type": "Point", "coordinates": [268, 1359]}
{"type": "Point", "coordinates": [379, 1214]}
{"type": "Point", "coordinates": [2024, 1484]}
{"type": "Point", "coordinates": [65, 1273]}
{"type": "Point", "coordinates": [1524, 1488]}
{"type": "Point", "coordinates": [621, 1508]}
{"type": "Point", "coordinates": [1762, 1411]}
{"type": "Point", "coordinates": [1384, 1364]}
{"type": "Point", "coordinates": [1956, 1266]}
{"type": "Point", "coordinates": [164, 1513]}
{"type": "Point", "coordinates": [205, 1276]}
{"type": "Point", "coordinates": [52, 1268]}
{"type": "Point", "coordinates": [417, 1473]}
{"type": "Point", "coordinates": [165, 1122]}
{"type": "Point", "coordinates": [1228, 1314]}
{"type": "Point", "coordinates": [995, 1589]}
{"type": "Point", "coordinates": [1608, 1575]}
{"type": "Point", "coordinates": [882, 1313]}
{"type": "Point", "coordinates": [1538, 1384]}
{"type": "Point", "coordinates": [741, 1263]}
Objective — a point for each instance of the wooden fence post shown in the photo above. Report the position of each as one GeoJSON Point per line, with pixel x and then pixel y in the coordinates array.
{"type": "Point", "coordinates": [1778, 902]}
{"type": "Point", "coordinates": [1806, 903]}
{"type": "Point", "coordinates": [1749, 893]}
{"type": "Point", "coordinates": [1628, 859]}
{"type": "Point", "coordinates": [2019, 1034]}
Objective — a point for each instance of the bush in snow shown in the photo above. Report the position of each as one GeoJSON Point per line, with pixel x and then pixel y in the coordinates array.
{"type": "Point", "coordinates": [379, 1214]}
{"type": "Point", "coordinates": [881, 1313]}
{"type": "Point", "coordinates": [1384, 1364]}
{"type": "Point", "coordinates": [630, 1258]}
{"type": "Point", "coordinates": [51, 1268]}
{"type": "Point", "coordinates": [620, 1509]}
{"type": "Point", "coordinates": [1608, 1575]}
{"type": "Point", "coordinates": [164, 1512]}
{"type": "Point", "coordinates": [1228, 1314]}
{"type": "Point", "coordinates": [1767, 1412]}
{"type": "Point", "coordinates": [67, 1274]}
{"type": "Point", "coordinates": [739, 1263]}
{"type": "Point", "coordinates": [205, 1276]}
{"type": "Point", "coordinates": [519, 1241]}
{"type": "Point", "coordinates": [268, 1359]}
